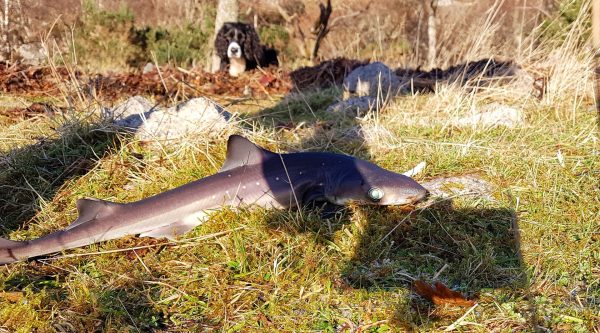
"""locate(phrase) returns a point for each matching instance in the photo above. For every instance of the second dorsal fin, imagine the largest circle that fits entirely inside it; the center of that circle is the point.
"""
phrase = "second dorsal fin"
(240, 151)
(90, 209)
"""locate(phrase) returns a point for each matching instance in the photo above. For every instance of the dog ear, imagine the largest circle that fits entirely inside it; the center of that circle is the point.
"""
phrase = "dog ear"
(221, 42)
(252, 48)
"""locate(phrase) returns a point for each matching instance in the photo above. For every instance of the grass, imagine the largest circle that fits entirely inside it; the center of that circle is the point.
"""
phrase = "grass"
(530, 256)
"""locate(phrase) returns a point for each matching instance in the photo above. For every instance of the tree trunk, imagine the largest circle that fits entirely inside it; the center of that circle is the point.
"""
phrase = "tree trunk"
(431, 8)
(4, 37)
(227, 11)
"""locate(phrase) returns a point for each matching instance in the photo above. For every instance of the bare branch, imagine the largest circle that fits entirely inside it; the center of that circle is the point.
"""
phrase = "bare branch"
(320, 28)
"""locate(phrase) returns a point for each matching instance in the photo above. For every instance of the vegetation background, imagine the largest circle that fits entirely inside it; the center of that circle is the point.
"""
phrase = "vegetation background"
(528, 252)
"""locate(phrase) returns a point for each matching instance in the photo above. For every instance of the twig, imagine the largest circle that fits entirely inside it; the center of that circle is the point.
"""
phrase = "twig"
(362, 328)
(162, 80)
(416, 170)
(459, 320)
(440, 272)
(128, 315)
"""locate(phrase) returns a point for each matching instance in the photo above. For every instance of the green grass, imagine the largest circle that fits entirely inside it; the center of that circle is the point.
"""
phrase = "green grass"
(529, 255)
(279, 270)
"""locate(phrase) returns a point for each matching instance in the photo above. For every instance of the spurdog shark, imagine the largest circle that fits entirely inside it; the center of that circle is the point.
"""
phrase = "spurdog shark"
(250, 175)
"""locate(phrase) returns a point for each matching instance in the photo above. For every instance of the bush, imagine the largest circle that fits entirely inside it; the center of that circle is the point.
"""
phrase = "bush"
(181, 46)
(109, 40)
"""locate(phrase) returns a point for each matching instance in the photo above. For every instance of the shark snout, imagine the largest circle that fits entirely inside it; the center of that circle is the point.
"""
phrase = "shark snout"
(422, 196)
(415, 194)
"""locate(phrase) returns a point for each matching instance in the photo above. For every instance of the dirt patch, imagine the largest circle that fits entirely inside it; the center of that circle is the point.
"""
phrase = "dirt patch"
(325, 74)
(32, 80)
(166, 82)
(479, 73)
(34, 110)
(176, 82)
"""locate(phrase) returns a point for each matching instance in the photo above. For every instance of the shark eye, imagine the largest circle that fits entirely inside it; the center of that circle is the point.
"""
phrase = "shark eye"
(375, 193)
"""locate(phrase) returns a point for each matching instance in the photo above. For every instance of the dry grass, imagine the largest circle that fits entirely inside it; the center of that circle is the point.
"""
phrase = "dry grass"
(529, 255)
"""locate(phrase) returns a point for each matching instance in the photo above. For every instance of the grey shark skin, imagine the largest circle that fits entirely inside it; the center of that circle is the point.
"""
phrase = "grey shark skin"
(250, 176)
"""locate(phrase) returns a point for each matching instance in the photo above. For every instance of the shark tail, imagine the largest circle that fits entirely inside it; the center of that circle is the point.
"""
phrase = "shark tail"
(6, 247)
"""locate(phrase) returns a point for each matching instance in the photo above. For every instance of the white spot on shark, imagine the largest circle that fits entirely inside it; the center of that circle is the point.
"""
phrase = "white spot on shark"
(244, 187)
(257, 183)
(276, 178)
(300, 172)
(229, 175)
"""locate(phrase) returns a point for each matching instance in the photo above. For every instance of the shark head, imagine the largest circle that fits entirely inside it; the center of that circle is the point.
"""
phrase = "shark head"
(369, 184)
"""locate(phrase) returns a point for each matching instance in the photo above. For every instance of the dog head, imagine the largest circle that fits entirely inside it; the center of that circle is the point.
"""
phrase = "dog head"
(239, 37)
(238, 45)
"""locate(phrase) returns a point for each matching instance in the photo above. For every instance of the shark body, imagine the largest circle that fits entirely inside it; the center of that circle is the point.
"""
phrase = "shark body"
(250, 176)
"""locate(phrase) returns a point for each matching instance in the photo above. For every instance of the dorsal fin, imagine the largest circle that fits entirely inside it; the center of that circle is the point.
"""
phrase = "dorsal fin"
(240, 151)
(90, 209)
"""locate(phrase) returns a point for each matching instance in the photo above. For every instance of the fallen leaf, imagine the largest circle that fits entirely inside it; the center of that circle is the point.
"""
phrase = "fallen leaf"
(265, 80)
(264, 320)
(439, 294)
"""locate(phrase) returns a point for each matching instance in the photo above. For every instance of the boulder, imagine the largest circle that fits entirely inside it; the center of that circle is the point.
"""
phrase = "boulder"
(374, 79)
(197, 116)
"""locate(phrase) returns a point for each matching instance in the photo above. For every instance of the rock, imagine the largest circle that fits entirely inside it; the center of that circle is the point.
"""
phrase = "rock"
(149, 67)
(131, 113)
(375, 79)
(468, 185)
(368, 87)
(199, 116)
(31, 54)
(493, 115)
(357, 106)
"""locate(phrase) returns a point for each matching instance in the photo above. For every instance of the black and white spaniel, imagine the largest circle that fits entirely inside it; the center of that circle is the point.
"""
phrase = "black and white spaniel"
(238, 46)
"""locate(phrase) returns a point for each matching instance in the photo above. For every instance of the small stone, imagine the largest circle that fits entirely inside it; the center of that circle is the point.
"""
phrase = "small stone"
(357, 106)
(149, 67)
(492, 116)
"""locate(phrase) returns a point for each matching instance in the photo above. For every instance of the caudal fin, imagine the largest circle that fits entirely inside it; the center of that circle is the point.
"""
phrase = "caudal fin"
(6, 253)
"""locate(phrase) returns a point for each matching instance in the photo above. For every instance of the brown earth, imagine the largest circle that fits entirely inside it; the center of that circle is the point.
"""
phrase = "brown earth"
(167, 82)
